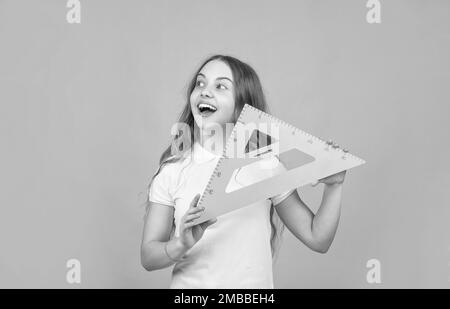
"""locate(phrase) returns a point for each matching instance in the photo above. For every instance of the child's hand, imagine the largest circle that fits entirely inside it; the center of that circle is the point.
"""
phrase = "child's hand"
(337, 178)
(190, 234)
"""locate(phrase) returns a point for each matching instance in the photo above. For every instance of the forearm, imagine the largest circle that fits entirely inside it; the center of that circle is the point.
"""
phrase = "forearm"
(154, 256)
(326, 220)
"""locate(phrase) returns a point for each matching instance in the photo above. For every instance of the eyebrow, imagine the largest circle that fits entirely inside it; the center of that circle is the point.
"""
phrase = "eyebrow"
(218, 78)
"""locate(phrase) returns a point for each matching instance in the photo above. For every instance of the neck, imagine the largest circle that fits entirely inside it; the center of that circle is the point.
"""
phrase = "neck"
(214, 141)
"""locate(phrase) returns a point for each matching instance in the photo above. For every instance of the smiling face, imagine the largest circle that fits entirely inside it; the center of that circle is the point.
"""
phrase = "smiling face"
(212, 100)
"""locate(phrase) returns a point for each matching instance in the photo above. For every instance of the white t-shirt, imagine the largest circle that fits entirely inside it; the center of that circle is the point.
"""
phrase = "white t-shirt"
(234, 252)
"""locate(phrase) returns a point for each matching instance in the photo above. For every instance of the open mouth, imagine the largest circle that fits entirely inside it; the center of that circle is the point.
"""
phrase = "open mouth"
(206, 109)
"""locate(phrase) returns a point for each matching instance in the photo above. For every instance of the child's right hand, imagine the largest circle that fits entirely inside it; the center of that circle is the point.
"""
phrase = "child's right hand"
(190, 234)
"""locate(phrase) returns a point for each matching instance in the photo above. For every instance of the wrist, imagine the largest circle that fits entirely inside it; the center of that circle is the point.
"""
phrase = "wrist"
(177, 248)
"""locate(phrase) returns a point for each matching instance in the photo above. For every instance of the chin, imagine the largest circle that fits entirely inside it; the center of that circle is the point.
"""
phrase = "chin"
(210, 125)
(202, 121)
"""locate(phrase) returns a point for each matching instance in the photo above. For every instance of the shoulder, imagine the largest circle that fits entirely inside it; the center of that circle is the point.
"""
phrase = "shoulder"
(169, 172)
(165, 181)
(170, 169)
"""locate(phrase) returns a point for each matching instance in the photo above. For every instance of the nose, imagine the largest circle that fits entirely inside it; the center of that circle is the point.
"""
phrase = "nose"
(205, 93)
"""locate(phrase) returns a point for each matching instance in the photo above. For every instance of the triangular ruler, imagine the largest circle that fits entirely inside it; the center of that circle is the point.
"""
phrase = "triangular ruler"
(304, 157)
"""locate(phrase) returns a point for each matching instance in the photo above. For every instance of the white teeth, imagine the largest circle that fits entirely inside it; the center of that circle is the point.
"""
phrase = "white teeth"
(204, 105)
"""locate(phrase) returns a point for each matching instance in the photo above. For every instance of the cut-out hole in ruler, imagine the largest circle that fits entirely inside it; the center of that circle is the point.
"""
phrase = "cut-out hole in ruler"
(267, 168)
(259, 140)
(295, 158)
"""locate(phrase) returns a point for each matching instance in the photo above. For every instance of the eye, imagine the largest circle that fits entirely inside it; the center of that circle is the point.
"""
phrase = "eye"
(222, 87)
(199, 83)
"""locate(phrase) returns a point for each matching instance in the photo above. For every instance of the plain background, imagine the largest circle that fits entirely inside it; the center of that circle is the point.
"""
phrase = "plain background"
(86, 110)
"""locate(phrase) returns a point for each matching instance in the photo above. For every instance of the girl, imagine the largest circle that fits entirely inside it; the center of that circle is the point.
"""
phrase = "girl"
(235, 250)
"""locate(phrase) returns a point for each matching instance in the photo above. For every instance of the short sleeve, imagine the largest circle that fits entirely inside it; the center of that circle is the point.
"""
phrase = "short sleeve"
(277, 199)
(280, 168)
(161, 187)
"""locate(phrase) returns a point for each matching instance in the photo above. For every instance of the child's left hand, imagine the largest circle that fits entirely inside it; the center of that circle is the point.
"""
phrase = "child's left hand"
(337, 178)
